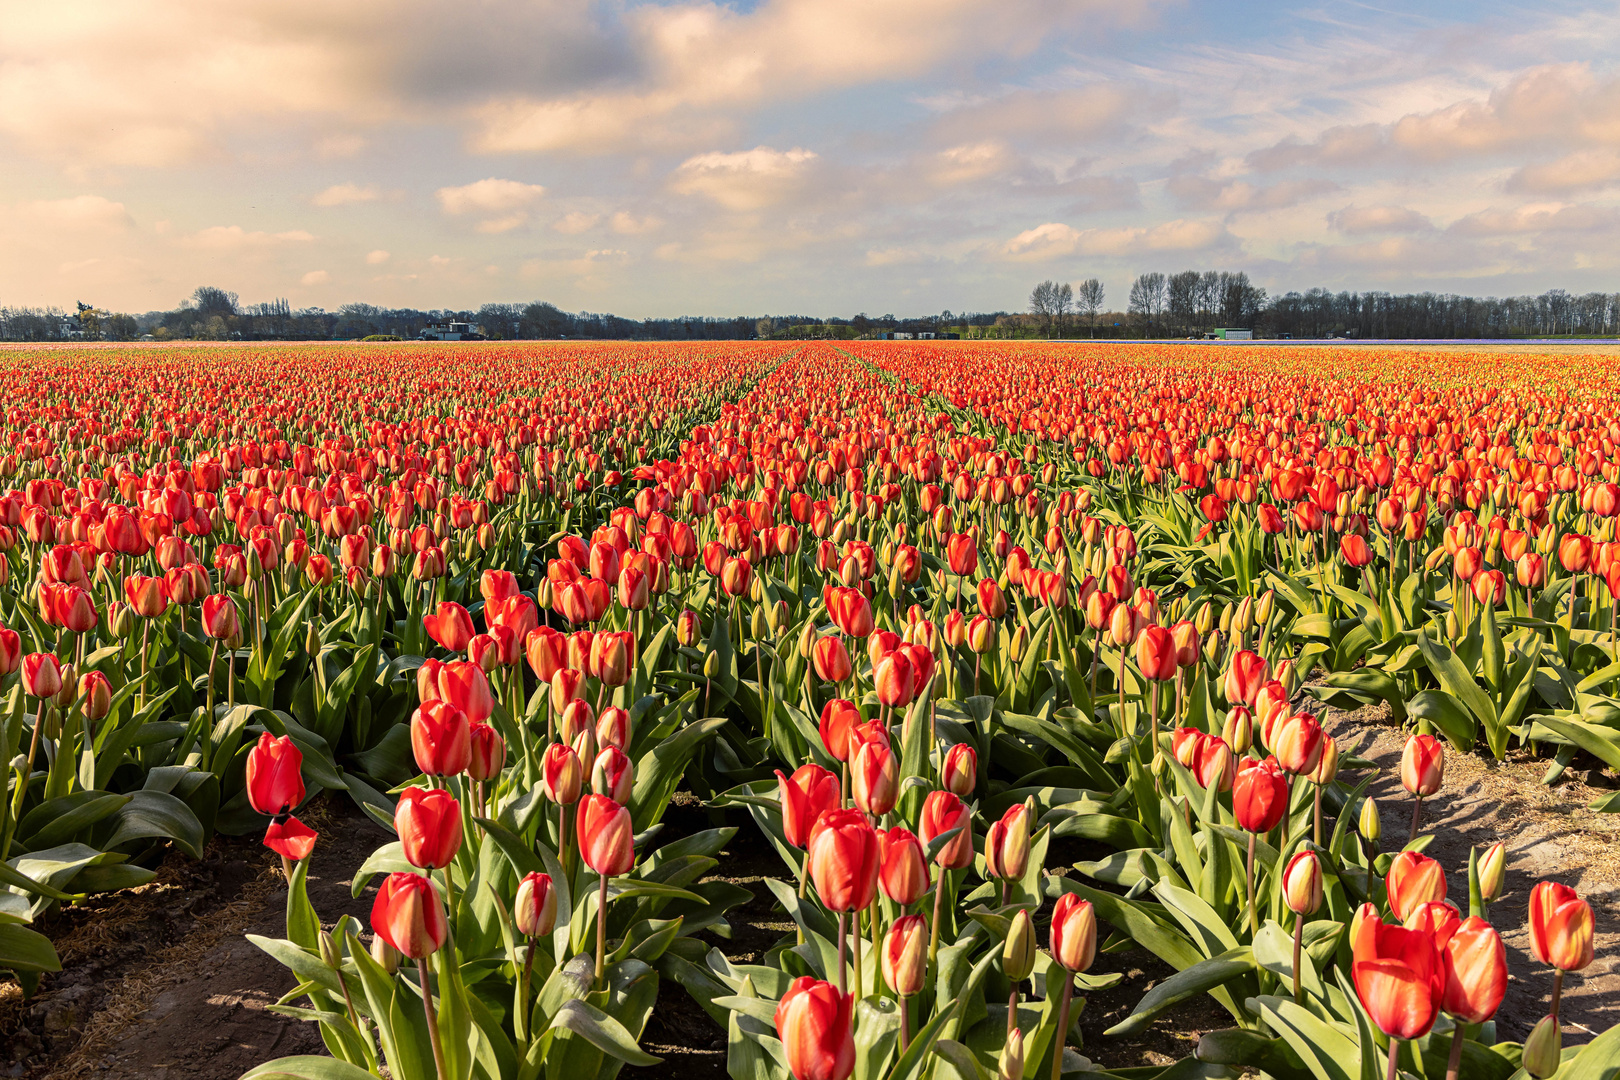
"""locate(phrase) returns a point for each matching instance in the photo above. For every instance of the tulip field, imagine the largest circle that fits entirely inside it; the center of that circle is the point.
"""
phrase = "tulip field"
(1011, 657)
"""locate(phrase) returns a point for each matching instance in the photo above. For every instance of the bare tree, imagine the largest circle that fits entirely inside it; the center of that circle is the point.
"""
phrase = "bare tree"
(1148, 298)
(1043, 303)
(1090, 301)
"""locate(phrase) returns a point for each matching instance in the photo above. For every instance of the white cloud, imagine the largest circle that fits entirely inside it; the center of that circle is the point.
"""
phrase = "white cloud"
(377, 258)
(576, 222)
(315, 277)
(1055, 240)
(1539, 218)
(81, 213)
(627, 224)
(347, 194)
(745, 180)
(234, 238)
(489, 196)
(1582, 170)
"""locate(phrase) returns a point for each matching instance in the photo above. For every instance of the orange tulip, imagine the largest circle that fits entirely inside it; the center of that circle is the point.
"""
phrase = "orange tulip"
(1475, 967)
(815, 1023)
(843, 860)
(1413, 879)
(1561, 926)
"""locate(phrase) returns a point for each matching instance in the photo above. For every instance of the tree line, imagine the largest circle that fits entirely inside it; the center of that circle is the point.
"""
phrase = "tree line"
(1190, 303)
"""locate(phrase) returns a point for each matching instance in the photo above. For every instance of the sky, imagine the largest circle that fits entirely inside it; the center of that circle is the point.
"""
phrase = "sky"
(798, 156)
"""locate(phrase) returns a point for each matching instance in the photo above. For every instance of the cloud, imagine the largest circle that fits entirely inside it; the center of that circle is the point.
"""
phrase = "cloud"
(572, 224)
(1354, 220)
(1582, 170)
(82, 213)
(347, 194)
(1539, 218)
(508, 200)
(746, 180)
(377, 258)
(699, 62)
(1547, 105)
(315, 277)
(235, 238)
(627, 224)
(1048, 116)
(1056, 240)
(1204, 193)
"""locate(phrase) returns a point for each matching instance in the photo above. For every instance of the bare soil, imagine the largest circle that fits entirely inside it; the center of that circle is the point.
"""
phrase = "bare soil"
(1549, 835)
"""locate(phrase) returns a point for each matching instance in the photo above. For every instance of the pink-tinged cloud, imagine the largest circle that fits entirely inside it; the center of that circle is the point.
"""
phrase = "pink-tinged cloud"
(1583, 170)
(1358, 220)
(1543, 218)
(1056, 240)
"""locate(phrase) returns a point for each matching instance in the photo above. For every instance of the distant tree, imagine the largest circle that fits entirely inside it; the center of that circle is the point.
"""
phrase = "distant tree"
(1148, 299)
(1090, 301)
(1044, 301)
(209, 300)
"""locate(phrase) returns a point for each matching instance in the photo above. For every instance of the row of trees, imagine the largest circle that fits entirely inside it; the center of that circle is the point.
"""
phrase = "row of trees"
(1161, 305)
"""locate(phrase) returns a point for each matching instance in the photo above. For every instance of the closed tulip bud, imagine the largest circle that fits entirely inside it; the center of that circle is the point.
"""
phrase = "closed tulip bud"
(981, 634)
(1243, 617)
(613, 775)
(95, 695)
(1006, 845)
(1302, 883)
(562, 774)
(534, 911)
(711, 664)
(903, 869)
(428, 821)
(121, 620)
(1544, 1049)
(1327, 768)
(1018, 951)
(488, 752)
(613, 728)
(1492, 872)
(409, 915)
(385, 955)
(942, 812)
(1020, 642)
(960, 772)
(41, 675)
(875, 779)
(275, 782)
(905, 955)
(1074, 932)
(1288, 676)
(1423, 765)
(1238, 730)
(1011, 1064)
(1370, 825)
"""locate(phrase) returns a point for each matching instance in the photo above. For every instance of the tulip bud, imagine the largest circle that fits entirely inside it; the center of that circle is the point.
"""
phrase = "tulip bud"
(386, 956)
(1243, 619)
(120, 619)
(1020, 642)
(1492, 872)
(1204, 621)
(905, 955)
(1288, 676)
(329, 952)
(535, 909)
(1012, 1057)
(1327, 768)
(1371, 825)
(1262, 611)
(711, 665)
(1018, 951)
(1302, 884)
(1544, 1049)
(1226, 619)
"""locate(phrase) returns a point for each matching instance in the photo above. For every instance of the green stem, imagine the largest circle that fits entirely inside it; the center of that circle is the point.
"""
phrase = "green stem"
(432, 1019)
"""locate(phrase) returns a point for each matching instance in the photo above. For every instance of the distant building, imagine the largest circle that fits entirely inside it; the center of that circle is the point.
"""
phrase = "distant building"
(450, 330)
(1232, 334)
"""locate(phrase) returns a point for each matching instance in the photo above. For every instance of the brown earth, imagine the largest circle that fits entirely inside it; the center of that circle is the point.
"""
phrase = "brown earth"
(1549, 834)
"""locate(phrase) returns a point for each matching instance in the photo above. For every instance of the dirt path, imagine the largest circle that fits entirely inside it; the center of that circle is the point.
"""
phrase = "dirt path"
(1549, 833)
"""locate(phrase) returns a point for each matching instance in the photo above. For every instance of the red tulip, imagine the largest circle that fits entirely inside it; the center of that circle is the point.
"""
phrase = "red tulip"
(893, 679)
(838, 719)
(41, 675)
(1423, 765)
(605, 837)
(408, 915)
(428, 821)
(464, 685)
(441, 739)
(562, 773)
(1259, 797)
(831, 660)
(959, 772)
(1355, 550)
(1561, 926)
(275, 781)
(961, 554)
(450, 626)
(815, 1023)
(1156, 654)
(875, 779)
(219, 618)
(1399, 977)
(903, 870)
(534, 910)
(290, 838)
(1074, 932)
(943, 811)
(1244, 678)
(1006, 845)
(488, 752)
(1413, 879)
(851, 611)
(613, 775)
(1475, 968)
(905, 955)
(1297, 743)
(843, 860)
